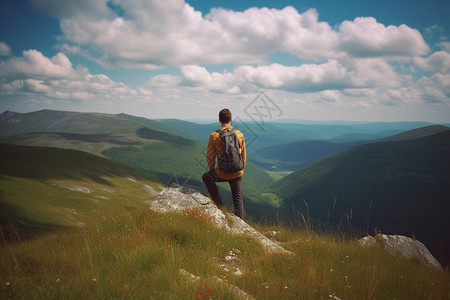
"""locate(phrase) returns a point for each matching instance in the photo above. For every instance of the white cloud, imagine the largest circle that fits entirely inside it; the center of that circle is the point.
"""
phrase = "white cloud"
(359, 73)
(197, 76)
(432, 89)
(437, 62)
(36, 76)
(365, 37)
(5, 50)
(150, 34)
(330, 96)
(164, 80)
(364, 92)
(36, 86)
(360, 60)
(262, 31)
(10, 87)
(34, 64)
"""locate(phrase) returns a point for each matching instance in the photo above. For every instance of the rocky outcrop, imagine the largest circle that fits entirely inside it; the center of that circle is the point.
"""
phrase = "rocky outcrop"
(179, 198)
(238, 293)
(404, 246)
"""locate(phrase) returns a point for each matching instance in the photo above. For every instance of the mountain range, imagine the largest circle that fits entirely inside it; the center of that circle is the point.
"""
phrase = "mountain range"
(390, 177)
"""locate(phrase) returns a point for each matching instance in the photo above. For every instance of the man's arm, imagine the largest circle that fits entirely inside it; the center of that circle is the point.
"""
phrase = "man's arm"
(244, 151)
(211, 153)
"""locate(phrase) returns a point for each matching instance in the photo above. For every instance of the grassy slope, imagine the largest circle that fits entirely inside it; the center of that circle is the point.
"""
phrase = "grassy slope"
(124, 250)
(45, 188)
(407, 182)
(138, 254)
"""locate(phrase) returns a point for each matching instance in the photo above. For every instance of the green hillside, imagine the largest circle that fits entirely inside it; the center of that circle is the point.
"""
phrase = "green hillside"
(91, 143)
(46, 188)
(397, 187)
(417, 133)
(62, 121)
(140, 254)
(158, 148)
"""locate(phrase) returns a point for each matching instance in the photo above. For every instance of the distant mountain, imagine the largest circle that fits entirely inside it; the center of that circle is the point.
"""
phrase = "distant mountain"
(61, 121)
(416, 133)
(302, 153)
(397, 187)
(43, 188)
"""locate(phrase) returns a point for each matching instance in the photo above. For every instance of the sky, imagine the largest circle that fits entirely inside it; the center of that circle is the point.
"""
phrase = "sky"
(351, 60)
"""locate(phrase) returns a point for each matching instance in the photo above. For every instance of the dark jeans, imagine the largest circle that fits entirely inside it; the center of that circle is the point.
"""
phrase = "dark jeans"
(210, 178)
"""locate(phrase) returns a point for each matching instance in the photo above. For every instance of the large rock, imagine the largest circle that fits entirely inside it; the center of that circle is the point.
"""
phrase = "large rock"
(404, 246)
(178, 198)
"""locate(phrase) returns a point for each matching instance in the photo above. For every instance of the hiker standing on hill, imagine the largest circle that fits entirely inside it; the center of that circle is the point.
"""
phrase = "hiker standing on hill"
(228, 145)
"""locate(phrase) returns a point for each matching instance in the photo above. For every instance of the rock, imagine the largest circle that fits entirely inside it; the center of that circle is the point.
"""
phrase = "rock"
(238, 293)
(178, 198)
(239, 226)
(404, 246)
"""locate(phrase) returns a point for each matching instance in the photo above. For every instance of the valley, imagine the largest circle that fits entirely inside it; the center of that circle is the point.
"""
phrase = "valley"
(389, 177)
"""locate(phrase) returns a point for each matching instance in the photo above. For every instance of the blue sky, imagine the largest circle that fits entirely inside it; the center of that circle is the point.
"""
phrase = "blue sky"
(315, 60)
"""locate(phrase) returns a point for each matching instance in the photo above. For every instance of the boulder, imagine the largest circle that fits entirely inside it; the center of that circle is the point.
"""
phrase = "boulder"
(404, 246)
(179, 198)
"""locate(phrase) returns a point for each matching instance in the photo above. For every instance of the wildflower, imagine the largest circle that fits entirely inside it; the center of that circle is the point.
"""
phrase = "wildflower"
(94, 279)
(7, 283)
(209, 289)
(208, 294)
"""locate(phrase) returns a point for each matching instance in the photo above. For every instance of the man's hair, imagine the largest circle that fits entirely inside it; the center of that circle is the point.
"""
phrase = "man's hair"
(225, 116)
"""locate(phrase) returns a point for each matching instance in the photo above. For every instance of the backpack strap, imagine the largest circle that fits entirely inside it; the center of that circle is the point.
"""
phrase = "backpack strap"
(232, 130)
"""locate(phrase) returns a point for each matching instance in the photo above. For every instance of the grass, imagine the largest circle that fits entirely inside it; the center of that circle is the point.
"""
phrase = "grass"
(137, 253)
(46, 188)
(125, 250)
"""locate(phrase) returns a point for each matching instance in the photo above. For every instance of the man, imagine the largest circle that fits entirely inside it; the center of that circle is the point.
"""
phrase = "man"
(215, 174)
